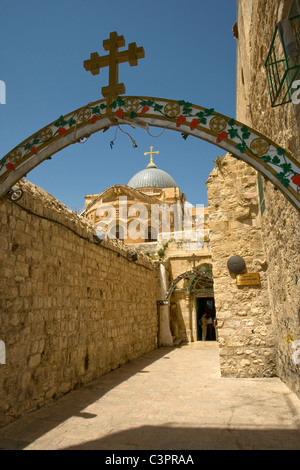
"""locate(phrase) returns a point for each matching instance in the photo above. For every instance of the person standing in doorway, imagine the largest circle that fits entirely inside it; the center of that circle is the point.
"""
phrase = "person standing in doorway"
(204, 326)
(210, 328)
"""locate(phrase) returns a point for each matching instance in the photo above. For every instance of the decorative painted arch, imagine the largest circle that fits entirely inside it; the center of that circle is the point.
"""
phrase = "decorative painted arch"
(271, 160)
(196, 272)
(203, 275)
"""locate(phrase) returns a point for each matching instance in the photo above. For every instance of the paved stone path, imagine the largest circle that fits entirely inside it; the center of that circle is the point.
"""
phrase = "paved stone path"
(170, 399)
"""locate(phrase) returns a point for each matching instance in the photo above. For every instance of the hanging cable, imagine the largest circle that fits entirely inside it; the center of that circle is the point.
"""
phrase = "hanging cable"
(158, 134)
(112, 141)
(124, 132)
(133, 141)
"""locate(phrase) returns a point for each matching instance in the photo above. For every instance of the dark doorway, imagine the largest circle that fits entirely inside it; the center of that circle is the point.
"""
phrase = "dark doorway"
(206, 305)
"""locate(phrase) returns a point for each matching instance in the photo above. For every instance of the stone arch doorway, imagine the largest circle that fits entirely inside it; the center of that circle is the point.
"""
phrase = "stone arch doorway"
(201, 290)
(184, 297)
(244, 143)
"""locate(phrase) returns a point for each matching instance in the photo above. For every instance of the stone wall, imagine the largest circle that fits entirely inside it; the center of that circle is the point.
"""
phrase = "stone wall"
(280, 221)
(245, 330)
(70, 310)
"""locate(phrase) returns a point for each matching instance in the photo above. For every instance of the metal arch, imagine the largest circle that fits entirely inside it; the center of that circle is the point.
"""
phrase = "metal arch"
(172, 285)
(204, 273)
(244, 143)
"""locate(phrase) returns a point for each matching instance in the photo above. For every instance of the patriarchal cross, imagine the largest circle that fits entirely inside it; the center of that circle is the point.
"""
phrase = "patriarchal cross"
(112, 60)
(151, 153)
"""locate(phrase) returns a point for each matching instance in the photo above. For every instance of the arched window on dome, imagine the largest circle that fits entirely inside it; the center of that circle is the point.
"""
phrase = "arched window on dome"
(119, 232)
(116, 231)
(151, 234)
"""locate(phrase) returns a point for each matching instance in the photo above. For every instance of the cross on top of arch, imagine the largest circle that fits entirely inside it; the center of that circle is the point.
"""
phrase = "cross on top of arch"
(112, 60)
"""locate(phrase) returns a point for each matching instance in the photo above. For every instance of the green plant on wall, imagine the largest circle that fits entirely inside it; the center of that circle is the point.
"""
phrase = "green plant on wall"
(162, 251)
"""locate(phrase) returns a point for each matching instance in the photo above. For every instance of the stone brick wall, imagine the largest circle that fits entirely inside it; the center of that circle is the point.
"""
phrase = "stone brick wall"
(245, 331)
(280, 222)
(70, 310)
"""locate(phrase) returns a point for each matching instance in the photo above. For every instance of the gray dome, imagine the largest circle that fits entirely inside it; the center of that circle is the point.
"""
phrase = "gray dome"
(152, 177)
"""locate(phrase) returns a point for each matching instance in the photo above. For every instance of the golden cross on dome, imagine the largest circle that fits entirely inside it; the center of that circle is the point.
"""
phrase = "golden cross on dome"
(112, 60)
(151, 153)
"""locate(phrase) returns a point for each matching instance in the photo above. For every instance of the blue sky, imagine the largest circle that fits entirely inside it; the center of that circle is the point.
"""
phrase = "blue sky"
(190, 54)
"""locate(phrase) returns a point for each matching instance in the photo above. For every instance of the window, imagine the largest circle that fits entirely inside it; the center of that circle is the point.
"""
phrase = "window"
(119, 232)
(283, 61)
(116, 231)
(150, 234)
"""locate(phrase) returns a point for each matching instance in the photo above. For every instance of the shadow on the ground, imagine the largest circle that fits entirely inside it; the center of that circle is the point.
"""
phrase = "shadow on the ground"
(30, 427)
(174, 438)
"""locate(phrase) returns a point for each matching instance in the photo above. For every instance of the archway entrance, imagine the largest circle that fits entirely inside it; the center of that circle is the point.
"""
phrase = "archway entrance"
(244, 143)
(201, 290)
(189, 296)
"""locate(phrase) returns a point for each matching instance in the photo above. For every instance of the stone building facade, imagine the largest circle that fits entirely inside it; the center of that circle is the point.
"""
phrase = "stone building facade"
(179, 251)
(255, 221)
(246, 332)
(279, 220)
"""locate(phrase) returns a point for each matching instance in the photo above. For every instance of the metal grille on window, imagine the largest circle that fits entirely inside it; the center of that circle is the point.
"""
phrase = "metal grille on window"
(283, 61)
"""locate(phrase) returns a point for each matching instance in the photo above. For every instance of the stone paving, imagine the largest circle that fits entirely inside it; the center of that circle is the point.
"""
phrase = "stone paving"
(170, 399)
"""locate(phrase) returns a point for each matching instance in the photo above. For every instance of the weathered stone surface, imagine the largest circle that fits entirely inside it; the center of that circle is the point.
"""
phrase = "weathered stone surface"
(70, 310)
(280, 221)
(243, 313)
(268, 241)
